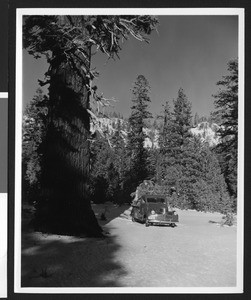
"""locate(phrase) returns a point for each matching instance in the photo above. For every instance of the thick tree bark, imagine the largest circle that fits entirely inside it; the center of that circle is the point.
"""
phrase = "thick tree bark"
(64, 206)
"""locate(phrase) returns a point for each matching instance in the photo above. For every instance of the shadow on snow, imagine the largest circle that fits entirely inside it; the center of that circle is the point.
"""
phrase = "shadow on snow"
(67, 261)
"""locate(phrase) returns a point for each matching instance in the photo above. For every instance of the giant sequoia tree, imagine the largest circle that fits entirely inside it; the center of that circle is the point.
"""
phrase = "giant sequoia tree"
(68, 42)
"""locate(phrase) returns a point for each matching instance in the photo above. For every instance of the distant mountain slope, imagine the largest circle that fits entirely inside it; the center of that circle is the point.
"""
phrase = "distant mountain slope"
(206, 131)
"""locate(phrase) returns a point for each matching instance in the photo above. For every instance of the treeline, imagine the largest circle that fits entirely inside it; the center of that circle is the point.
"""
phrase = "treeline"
(205, 177)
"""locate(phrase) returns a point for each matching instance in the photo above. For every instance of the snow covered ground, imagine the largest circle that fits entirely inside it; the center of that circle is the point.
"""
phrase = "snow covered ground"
(197, 253)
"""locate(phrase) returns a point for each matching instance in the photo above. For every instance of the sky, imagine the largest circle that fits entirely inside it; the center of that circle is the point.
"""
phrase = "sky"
(189, 52)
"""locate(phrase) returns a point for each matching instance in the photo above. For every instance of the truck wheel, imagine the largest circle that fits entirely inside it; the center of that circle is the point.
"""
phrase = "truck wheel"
(147, 224)
(173, 225)
(133, 219)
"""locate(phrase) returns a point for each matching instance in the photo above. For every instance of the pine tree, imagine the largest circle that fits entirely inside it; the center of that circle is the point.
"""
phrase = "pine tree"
(119, 152)
(136, 136)
(109, 168)
(175, 158)
(226, 104)
(166, 127)
(34, 129)
(210, 188)
(121, 161)
(190, 170)
(178, 128)
(100, 154)
(182, 117)
(201, 181)
(67, 42)
(174, 134)
(164, 139)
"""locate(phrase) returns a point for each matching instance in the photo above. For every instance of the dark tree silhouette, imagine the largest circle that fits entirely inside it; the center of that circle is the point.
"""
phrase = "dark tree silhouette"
(34, 129)
(68, 42)
(226, 104)
(136, 136)
(164, 141)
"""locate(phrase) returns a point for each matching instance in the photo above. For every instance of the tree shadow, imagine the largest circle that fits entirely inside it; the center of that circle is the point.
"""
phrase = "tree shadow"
(64, 261)
(112, 212)
(50, 260)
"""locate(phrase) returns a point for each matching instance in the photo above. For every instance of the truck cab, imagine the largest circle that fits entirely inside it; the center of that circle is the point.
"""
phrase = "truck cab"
(154, 210)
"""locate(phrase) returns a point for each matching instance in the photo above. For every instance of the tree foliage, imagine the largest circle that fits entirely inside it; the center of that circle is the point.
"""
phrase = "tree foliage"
(226, 105)
(109, 168)
(76, 38)
(195, 171)
(165, 129)
(34, 129)
(182, 114)
(136, 136)
(187, 163)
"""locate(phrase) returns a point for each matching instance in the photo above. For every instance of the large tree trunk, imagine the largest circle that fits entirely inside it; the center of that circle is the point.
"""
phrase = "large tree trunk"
(64, 206)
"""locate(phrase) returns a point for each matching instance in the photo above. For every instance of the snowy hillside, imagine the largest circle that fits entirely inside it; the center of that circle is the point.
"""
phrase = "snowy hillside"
(151, 141)
(206, 131)
(110, 125)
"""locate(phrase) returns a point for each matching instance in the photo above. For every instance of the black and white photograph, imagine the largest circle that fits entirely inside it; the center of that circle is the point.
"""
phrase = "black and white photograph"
(129, 150)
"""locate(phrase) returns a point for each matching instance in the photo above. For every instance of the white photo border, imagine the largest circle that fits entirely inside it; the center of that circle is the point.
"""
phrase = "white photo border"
(18, 147)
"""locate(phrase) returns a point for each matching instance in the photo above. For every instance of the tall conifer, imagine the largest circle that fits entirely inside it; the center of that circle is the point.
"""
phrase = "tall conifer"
(136, 136)
(226, 104)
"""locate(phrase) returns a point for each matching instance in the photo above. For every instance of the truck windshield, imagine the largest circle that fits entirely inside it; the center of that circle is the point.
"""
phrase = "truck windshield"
(155, 200)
